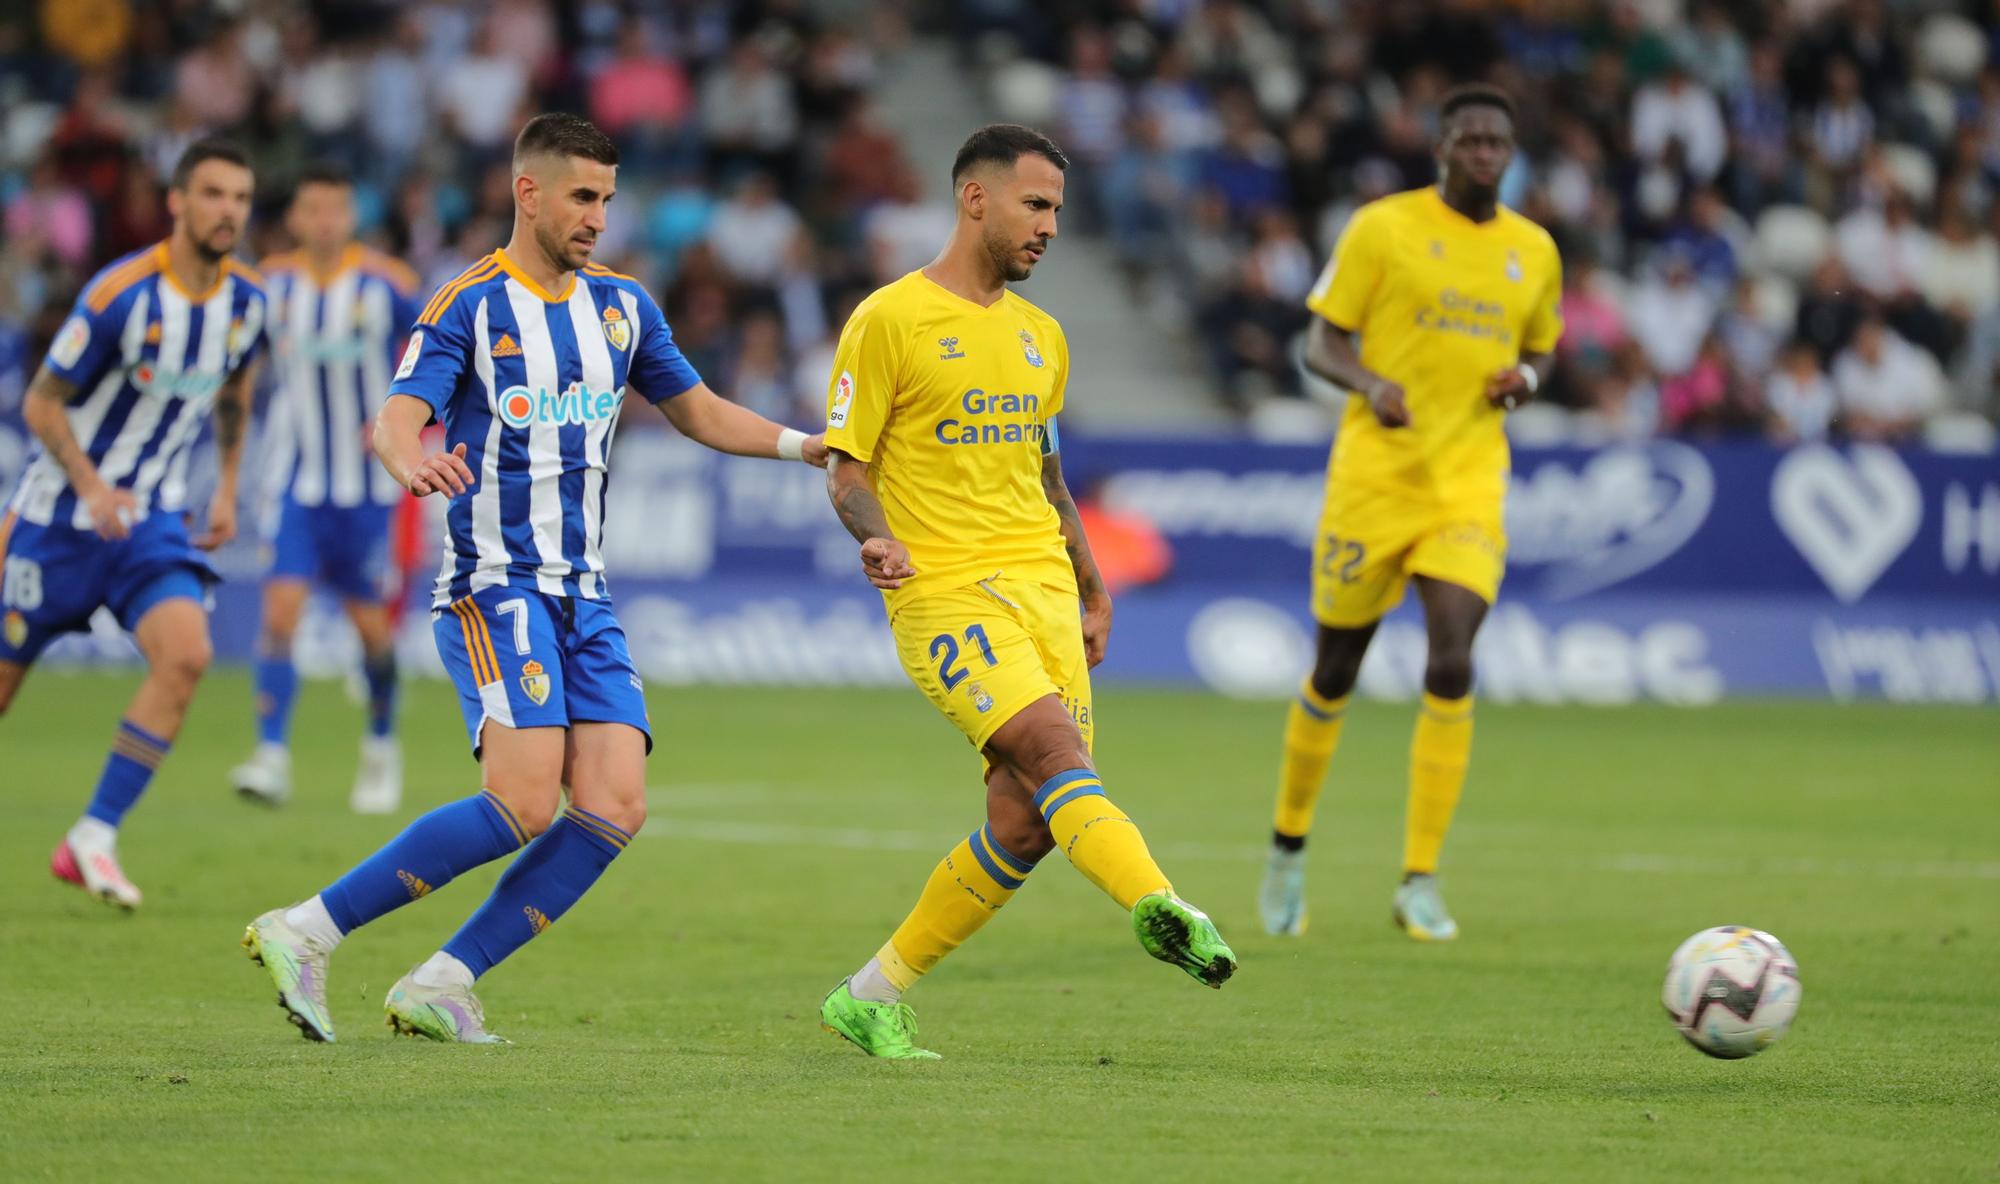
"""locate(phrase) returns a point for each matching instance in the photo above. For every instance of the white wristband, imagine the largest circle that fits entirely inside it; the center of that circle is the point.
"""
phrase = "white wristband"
(791, 444)
(1529, 376)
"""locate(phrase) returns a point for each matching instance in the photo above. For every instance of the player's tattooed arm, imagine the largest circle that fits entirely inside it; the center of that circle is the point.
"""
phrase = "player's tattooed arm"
(46, 412)
(1331, 355)
(1089, 581)
(884, 559)
(232, 421)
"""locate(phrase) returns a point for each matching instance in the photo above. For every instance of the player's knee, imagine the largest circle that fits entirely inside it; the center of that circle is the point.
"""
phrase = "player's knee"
(627, 812)
(1448, 672)
(1334, 677)
(1024, 837)
(274, 641)
(183, 662)
(1049, 752)
(535, 813)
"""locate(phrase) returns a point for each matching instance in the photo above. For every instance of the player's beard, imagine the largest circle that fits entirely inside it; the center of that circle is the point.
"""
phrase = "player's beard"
(205, 245)
(1004, 252)
(565, 252)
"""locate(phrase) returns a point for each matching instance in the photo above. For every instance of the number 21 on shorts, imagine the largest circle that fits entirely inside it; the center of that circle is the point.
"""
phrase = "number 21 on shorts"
(944, 648)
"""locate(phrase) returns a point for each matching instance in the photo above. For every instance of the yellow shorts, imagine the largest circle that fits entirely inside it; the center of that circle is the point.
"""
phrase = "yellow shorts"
(983, 652)
(1370, 543)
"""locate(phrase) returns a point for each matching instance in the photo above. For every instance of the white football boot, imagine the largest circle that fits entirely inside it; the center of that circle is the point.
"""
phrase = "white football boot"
(378, 785)
(266, 777)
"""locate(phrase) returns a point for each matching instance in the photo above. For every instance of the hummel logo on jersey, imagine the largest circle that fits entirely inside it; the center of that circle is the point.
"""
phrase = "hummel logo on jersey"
(505, 347)
(577, 404)
(951, 349)
(416, 887)
(537, 919)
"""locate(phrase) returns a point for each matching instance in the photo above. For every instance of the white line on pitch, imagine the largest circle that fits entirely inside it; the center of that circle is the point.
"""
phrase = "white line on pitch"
(776, 834)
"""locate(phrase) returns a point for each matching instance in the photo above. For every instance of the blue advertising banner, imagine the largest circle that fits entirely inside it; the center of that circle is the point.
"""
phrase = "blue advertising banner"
(1665, 571)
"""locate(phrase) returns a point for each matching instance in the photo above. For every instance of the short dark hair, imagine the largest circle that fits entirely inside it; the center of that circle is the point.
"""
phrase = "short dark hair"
(323, 172)
(558, 133)
(1004, 143)
(203, 150)
(1475, 94)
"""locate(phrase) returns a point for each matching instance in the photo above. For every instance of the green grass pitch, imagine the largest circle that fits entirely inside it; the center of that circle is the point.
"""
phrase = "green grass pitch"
(666, 1028)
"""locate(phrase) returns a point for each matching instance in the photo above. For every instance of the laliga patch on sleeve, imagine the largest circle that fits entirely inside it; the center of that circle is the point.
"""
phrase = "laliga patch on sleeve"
(74, 337)
(843, 398)
(410, 353)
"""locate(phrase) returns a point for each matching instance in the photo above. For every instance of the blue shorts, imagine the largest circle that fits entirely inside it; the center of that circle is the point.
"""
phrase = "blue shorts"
(55, 576)
(524, 659)
(345, 548)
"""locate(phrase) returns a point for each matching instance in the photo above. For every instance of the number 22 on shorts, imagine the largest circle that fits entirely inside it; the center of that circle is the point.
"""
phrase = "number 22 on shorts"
(946, 645)
(1341, 561)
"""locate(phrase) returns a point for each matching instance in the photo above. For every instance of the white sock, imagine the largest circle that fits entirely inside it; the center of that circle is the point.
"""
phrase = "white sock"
(871, 985)
(93, 834)
(443, 970)
(314, 923)
(272, 752)
(1283, 859)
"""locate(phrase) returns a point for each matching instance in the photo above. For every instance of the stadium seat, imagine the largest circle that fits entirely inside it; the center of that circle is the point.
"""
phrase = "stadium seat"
(1950, 47)
(1912, 168)
(1961, 432)
(1792, 240)
(1025, 91)
(1775, 303)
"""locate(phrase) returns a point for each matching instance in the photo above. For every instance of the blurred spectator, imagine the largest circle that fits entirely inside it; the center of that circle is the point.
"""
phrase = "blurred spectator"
(642, 96)
(214, 84)
(1679, 110)
(1829, 310)
(747, 111)
(50, 215)
(754, 232)
(1748, 340)
(1760, 128)
(1842, 125)
(1884, 248)
(1799, 401)
(482, 93)
(1694, 399)
(1146, 192)
(1886, 386)
(1625, 401)
(1090, 119)
(1245, 168)
(1713, 48)
(904, 231)
(1709, 237)
(1593, 324)
(1961, 276)
(1671, 316)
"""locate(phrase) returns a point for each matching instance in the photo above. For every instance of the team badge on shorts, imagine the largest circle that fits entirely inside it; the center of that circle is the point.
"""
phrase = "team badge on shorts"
(1034, 355)
(535, 682)
(16, 629)
(617, 330)
(980, 699)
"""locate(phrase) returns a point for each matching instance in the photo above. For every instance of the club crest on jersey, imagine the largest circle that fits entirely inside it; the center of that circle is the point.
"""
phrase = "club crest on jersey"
(843, 398)
(153, 333)
(16, 629)
(617, 330)
(1513, 265)
(1028, 349)
(535, 682)
(235, 343)
(950, 347)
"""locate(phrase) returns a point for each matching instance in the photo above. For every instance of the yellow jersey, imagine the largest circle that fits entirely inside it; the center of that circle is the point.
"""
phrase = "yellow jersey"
(952, 406)
(1441, 303)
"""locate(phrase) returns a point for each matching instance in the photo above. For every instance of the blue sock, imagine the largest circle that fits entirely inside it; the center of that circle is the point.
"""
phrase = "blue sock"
(135, 753)
(536, 889)
(381, 672)
(277, 684)
(451, 839)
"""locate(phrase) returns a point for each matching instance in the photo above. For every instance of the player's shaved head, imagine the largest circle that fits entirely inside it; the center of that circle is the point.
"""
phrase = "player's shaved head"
(558, 136)
(1002, 145)
(565, 174)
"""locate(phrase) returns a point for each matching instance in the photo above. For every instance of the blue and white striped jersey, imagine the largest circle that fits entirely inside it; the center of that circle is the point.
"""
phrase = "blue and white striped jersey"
(333, 346)
(147, 358)
(531, 383)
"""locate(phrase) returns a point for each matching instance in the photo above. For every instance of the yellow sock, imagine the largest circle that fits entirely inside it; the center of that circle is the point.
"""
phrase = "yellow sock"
(964, 891)
(1099, 839)
(1439, 753)
(1312, 731)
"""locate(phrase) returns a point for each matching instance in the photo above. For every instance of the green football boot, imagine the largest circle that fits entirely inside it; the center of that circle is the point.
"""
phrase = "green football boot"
(298, 967)
(1420, 910)
(450, 1014)
(878, 1029)
(1178, 933)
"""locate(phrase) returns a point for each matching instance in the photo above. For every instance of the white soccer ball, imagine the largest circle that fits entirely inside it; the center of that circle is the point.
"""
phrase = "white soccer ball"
(1732, 991)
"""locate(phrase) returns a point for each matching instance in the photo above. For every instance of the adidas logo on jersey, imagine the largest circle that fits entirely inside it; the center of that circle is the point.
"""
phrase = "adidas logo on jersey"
(505, 347)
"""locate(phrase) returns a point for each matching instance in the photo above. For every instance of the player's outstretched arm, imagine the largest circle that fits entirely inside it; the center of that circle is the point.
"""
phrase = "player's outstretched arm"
(1330, 354)
(884, 559)
(399, 445)
(232, 423)
(1089, 582)
(707, 418)
(46, 412)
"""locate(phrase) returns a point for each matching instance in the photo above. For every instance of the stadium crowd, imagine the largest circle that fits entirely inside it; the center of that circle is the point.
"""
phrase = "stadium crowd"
(759, 194)
(1776, 215)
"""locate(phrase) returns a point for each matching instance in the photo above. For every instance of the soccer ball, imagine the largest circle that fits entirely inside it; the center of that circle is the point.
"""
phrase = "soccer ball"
(1732, 991)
